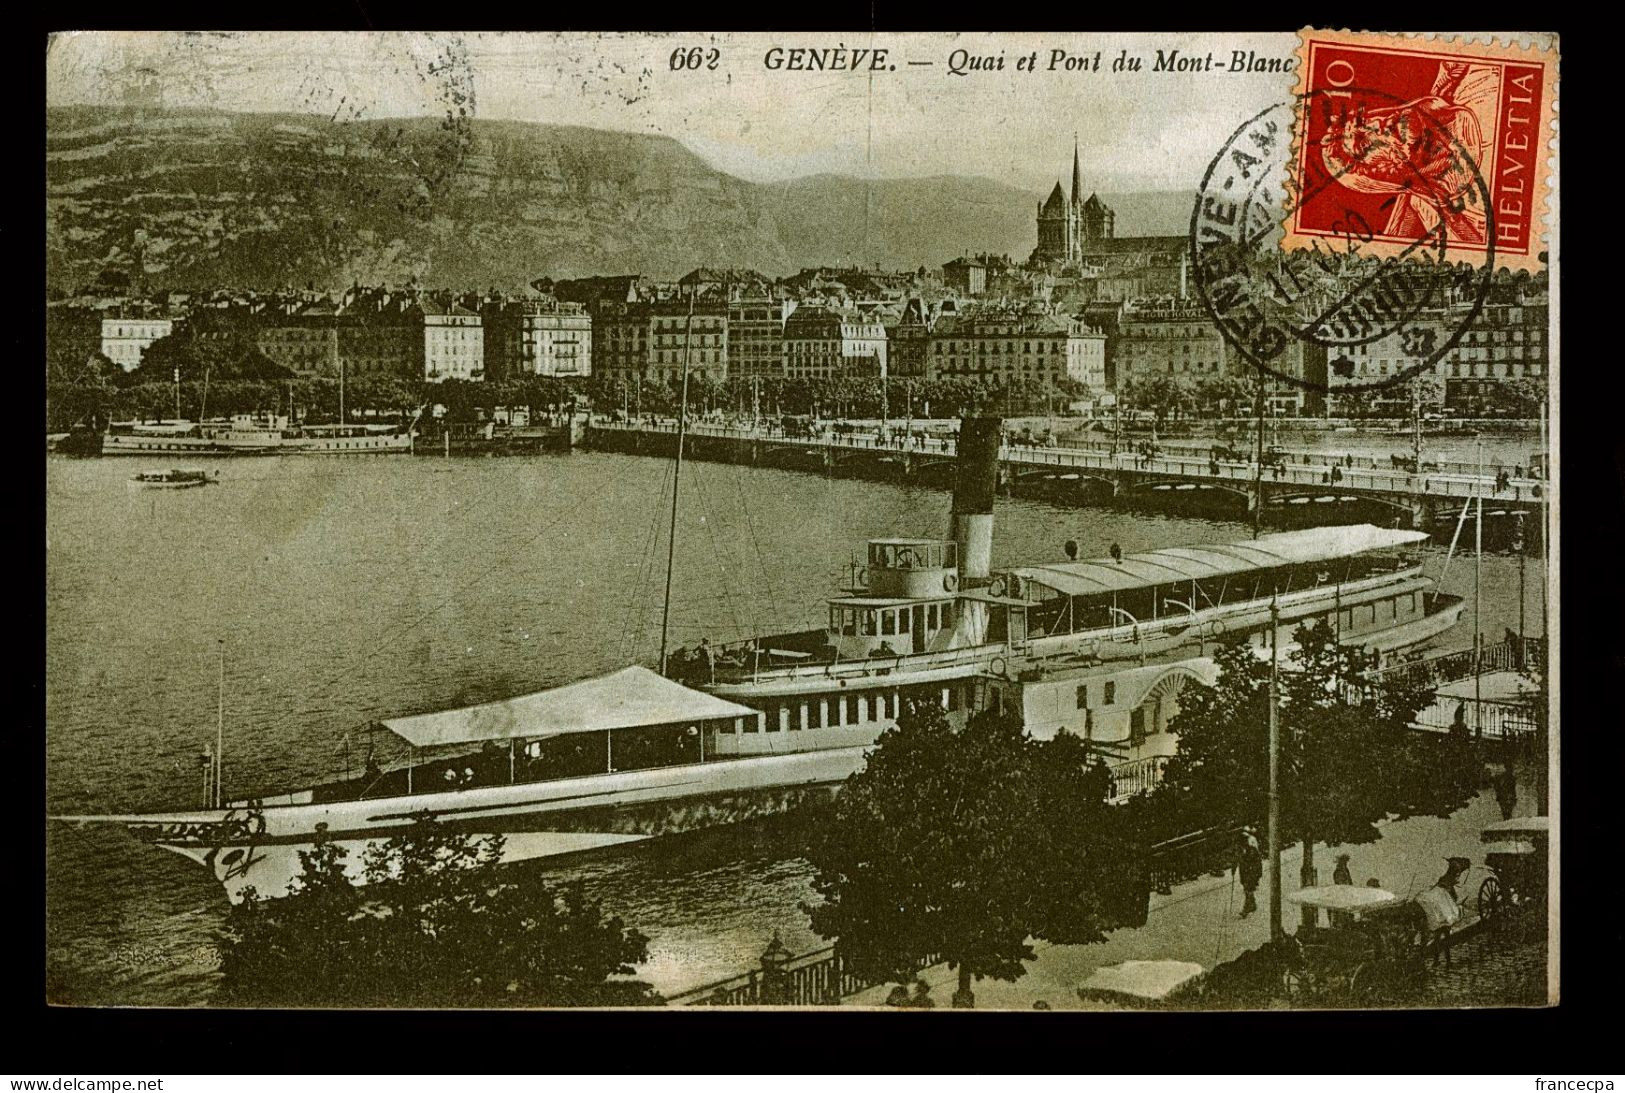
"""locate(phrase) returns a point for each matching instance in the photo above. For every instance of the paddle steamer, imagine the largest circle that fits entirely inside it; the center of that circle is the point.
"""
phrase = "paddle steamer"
(1100, 647)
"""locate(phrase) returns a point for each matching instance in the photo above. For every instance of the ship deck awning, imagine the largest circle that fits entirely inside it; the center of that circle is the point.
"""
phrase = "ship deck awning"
(1176, 564)
(627, 699)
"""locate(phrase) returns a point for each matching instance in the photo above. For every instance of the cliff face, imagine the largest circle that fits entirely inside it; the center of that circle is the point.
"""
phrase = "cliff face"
(261, 201)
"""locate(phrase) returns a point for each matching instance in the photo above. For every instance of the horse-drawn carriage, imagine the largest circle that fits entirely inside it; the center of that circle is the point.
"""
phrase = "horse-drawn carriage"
(1374, 952)
(1516, 854)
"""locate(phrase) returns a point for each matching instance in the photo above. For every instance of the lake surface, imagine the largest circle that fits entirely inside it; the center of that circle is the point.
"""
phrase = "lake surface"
(348, 590)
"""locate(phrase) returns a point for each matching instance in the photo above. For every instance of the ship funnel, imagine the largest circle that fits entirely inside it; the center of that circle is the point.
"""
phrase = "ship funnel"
(976, 477)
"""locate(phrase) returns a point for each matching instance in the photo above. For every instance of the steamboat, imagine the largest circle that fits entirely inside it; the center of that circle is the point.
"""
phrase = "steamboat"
(253, 434)
(1100, 647)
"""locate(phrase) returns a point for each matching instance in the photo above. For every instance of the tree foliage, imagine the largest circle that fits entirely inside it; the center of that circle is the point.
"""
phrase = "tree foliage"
(437, 925)
(964, 846)
(1348, 756)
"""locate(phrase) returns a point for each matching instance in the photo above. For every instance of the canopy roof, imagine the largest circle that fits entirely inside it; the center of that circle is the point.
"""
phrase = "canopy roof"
(1342, 897)
(1151, 979)
(627, 699)
(1174, 564)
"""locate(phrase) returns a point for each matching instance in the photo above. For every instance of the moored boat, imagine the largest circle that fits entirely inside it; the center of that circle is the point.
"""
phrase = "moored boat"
(176, 479)
(1101, 648)
(255, 434)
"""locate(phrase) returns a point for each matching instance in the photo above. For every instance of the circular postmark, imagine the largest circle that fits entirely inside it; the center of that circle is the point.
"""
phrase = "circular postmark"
(1280, 308)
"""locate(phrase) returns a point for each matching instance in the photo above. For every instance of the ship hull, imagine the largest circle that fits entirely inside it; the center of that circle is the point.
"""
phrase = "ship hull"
(380, 444)
(257, 844)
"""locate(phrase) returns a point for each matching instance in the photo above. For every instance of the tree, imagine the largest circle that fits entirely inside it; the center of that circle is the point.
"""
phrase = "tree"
(438, 925)
(1349, 757)
(1165, 396)
(963, 846)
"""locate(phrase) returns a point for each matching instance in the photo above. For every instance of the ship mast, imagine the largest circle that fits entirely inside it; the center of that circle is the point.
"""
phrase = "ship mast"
(1478, 596)
(676, 481)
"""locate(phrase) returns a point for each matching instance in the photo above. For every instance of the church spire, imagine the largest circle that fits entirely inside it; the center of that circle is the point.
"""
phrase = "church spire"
(1077, 175)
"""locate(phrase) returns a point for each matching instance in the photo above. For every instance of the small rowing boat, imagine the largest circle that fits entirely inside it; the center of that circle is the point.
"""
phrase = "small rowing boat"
(175, 479)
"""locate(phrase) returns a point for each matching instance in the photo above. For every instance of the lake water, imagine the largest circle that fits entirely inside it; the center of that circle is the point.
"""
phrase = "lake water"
(348, 590)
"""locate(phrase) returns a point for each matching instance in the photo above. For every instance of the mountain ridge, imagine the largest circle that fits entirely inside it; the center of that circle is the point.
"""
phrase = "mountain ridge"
(270, 200)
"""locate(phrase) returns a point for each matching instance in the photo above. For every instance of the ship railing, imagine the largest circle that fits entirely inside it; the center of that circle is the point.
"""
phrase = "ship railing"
(870, 666)
(1136, 776)
(1514, 654)
(1486, 718)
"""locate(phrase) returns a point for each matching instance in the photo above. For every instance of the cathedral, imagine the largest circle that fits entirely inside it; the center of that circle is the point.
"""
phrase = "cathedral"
(1065, 228)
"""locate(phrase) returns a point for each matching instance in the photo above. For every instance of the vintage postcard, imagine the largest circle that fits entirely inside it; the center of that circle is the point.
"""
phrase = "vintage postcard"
(998, 521)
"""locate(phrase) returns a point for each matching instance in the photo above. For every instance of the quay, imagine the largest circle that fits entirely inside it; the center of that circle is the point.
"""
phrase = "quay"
(1423, 501)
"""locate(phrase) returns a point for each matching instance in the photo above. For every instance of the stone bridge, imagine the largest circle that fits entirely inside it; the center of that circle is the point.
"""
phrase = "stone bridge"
(1425, 501)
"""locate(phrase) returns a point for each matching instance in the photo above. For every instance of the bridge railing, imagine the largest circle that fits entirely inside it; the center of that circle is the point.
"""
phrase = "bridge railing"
(817, 978)
(1448, 483)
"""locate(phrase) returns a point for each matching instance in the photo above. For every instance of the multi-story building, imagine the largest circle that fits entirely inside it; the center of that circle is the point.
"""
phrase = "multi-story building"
(537, 337)
(824, 342)
(1169, 337)
(1176, 337)
(1009, 345)
(1507, 343)
(965, 276)
(696, 335)
(756, 316)
(126, 337)
(908, 341)
(620, 344)
(1503, 348)
(453, 342)
(380, 334)
(303, 339)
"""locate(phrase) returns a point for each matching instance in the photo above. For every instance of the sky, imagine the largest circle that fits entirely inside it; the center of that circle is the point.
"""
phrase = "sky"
(1145, 130)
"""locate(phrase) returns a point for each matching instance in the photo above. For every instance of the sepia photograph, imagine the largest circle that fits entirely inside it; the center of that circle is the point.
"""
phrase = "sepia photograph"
(781, 521)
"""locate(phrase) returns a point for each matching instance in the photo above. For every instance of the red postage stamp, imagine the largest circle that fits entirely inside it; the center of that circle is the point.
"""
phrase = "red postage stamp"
(1411, 145)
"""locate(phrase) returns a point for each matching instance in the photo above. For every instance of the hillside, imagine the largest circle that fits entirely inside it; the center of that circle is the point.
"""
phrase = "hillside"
(259, 200)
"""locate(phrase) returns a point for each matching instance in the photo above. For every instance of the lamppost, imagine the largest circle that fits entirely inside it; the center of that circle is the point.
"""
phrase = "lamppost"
(775, 981)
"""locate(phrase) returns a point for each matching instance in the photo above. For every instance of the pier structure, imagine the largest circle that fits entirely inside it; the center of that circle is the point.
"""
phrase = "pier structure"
(1423, 501)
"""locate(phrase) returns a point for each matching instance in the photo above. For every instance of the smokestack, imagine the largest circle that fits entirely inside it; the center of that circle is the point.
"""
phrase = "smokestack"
(976, 477)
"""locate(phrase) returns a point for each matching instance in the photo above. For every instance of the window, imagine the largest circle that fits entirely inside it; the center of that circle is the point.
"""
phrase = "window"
(888, 622)
(869, 623)
(849, 710)
(1083, 696)
(747, 724)
(1110, 692)
(774, 719)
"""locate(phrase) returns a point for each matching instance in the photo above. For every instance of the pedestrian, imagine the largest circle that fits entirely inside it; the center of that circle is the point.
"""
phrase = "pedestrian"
(1341, 875)
(1250, 869)
(1458, 726)
(1506, 791)
(922, 996)
(1442, 907)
